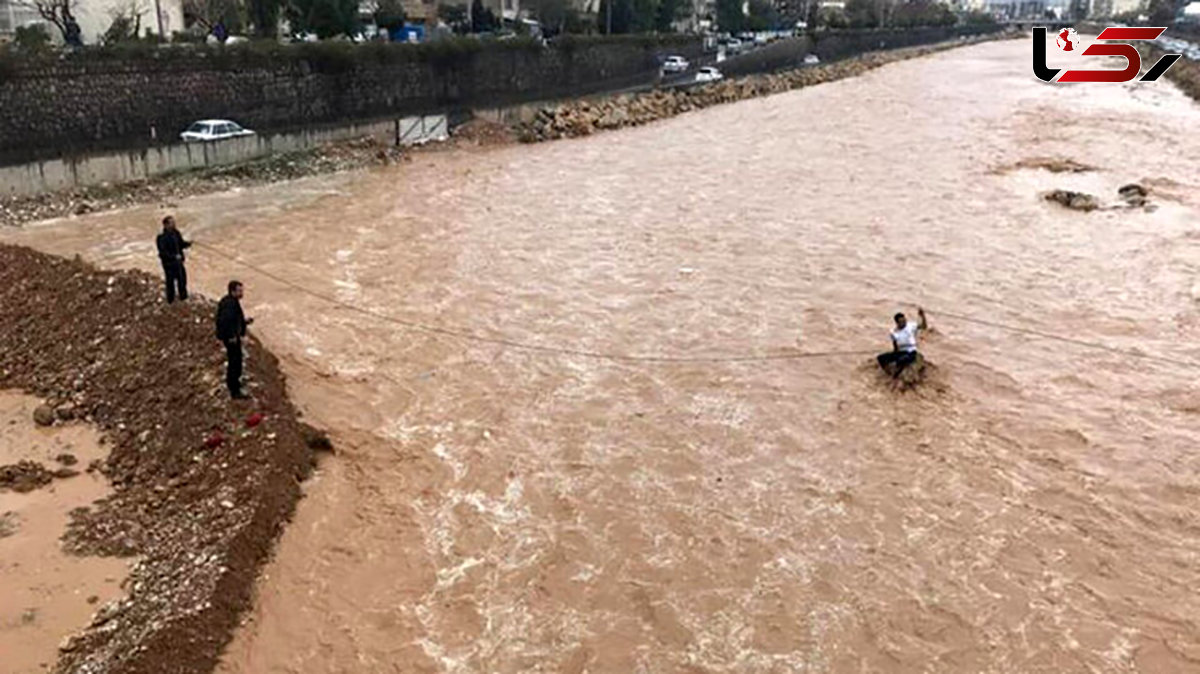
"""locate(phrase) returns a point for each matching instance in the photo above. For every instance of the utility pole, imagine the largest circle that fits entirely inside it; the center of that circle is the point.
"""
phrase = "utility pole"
(608, 4)
(158, 13)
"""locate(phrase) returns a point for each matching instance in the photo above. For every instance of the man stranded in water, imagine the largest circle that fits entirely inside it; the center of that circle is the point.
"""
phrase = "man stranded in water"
(904, 344)
(231, 328)
(170, 253)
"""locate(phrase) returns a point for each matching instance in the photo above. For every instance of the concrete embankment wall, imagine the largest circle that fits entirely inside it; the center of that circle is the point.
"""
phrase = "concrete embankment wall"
(51, 175)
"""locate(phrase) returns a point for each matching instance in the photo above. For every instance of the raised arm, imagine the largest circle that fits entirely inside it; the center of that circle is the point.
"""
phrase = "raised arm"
(924, 324)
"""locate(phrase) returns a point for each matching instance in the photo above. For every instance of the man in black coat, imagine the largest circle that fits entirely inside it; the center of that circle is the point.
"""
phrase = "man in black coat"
(231, 328)
(170, 251)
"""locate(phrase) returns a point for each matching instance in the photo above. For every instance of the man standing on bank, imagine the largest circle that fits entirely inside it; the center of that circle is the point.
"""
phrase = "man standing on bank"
(170, 251)
(231, 328)
(904, 344)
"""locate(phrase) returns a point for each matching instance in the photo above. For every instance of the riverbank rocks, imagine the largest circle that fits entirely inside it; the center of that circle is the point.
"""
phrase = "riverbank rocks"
(581, 118)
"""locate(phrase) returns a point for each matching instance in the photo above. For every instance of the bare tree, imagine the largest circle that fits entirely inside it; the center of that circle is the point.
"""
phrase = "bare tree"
(126, 21)
(208, 12)
(58, 12)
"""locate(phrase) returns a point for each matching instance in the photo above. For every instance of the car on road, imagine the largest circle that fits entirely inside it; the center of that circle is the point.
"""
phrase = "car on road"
(811, 60)
(675, 64)
(709, 74)
(733, 46)
(207, 130)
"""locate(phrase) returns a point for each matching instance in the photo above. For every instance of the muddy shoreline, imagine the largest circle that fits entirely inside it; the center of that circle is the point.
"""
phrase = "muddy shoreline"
(103, 347)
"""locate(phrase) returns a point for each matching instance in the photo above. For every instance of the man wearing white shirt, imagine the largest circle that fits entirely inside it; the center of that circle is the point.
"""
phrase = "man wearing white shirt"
(904, 344)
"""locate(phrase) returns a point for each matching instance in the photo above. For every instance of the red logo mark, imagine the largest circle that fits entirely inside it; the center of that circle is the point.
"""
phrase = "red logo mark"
(1068, 41)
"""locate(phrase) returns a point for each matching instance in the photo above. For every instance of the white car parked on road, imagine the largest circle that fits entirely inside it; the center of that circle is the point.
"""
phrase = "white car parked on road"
(213, 129)
(675, 64)
(709, 74)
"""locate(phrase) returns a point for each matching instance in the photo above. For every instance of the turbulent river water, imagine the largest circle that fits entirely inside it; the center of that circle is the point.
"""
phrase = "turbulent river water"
(1032, 508)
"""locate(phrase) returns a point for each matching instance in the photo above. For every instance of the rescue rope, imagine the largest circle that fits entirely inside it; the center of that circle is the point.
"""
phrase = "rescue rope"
(1069, 340)
(467, 335)
(526, 346)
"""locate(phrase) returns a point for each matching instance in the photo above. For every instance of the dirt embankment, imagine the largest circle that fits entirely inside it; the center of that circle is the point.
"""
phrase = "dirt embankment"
(200, 516)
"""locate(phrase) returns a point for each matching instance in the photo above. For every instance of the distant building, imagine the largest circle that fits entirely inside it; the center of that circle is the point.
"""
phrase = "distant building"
(1016, 9)
(508, 10)
(1104, 9)
(1116, 7)
(1189, 14)
(698, 20)
(13, 16)
(95, 17)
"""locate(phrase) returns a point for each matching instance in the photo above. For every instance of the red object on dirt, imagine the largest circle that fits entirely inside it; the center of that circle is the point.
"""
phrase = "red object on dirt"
(215, 440)
(254, 419)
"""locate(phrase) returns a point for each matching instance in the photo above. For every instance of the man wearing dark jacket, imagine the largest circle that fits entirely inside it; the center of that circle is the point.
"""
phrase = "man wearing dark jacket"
(170, 252)
(231, 328)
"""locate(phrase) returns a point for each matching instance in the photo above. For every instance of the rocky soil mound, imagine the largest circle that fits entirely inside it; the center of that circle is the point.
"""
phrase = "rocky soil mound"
(584, 117)
(202, 485)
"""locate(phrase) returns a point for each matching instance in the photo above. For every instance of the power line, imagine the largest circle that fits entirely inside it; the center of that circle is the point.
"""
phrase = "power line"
(1070, 340)
(464, 334)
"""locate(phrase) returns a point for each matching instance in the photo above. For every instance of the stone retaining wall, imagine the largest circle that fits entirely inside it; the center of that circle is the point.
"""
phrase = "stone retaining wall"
(80, 103)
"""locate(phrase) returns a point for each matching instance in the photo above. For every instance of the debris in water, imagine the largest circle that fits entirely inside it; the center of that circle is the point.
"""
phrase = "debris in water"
(1054, 165)
(1134, 194)
(24, 476)
(1077, 201)
(8, 524)
(316, 440)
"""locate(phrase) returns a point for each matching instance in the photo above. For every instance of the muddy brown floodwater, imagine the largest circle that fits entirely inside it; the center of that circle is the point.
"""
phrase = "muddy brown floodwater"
(492, 509)
(46, 594)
